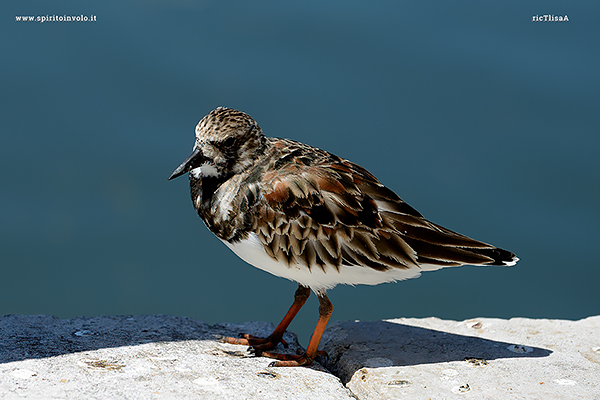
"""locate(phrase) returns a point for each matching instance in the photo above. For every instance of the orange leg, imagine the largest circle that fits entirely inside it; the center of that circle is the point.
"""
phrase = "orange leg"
(261, 345)
(286, 360)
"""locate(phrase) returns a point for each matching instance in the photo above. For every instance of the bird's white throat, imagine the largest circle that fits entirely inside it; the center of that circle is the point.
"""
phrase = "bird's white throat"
(204, 170)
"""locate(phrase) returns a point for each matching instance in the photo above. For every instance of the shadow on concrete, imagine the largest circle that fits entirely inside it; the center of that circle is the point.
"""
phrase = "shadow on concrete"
(25, 337)
(354, 345)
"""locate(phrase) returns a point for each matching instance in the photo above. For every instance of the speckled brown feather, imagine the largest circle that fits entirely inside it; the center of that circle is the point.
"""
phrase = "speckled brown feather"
(343, 197)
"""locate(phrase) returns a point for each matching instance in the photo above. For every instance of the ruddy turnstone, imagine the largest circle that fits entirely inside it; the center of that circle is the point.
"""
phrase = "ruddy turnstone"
(307, 215)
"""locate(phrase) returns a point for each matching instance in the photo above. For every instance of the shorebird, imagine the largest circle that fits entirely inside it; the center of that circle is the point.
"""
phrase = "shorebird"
(307, 215)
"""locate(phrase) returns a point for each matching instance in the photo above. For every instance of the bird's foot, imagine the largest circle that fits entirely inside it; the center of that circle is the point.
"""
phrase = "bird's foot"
(290, 360)
(258, 344)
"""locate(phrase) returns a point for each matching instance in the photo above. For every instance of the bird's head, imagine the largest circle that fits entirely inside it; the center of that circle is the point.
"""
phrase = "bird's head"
(227, 142)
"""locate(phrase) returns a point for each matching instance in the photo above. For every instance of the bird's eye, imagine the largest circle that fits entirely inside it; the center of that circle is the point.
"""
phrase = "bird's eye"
(228, 142)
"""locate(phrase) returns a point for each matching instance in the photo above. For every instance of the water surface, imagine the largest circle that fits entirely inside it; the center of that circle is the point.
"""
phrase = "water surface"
(484, 121)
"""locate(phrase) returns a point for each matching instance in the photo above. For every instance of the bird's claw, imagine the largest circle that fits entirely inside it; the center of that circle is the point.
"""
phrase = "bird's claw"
(257, 344)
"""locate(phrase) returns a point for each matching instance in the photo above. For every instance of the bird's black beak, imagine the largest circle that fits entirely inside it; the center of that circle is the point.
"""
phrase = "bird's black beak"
(193, 161)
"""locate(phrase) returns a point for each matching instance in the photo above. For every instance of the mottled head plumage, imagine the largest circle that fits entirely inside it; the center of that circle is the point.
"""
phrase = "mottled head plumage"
(223, 122)
(229, 140)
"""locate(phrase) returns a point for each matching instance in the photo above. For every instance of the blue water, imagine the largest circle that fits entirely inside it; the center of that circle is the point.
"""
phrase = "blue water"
(484, 121)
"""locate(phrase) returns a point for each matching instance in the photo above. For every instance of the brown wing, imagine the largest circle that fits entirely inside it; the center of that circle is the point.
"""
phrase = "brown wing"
(325, 211)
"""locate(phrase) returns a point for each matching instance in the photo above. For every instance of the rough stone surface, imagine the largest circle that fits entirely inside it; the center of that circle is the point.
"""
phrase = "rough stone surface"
(481, 358)
(146, 357)
(161, 357)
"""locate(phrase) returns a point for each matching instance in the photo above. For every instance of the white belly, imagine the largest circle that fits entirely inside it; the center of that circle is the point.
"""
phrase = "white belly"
(252, 251)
